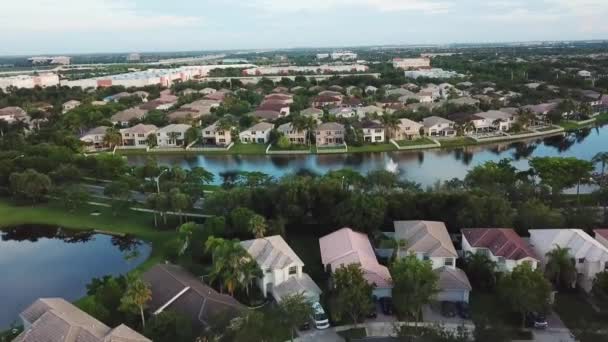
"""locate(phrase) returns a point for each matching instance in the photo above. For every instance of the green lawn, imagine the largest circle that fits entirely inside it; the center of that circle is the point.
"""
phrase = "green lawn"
(293, 147)
(457, 142)
(580, 318)
(372, 148)
(421, 141)
(140, 225)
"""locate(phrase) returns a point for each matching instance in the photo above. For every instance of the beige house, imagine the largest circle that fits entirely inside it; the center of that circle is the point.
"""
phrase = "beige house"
(69, 105)
(137, 136)
(94, 138)
(123, 118)
(294, 136)
(330, 134)
(214, 135)
(407, 130)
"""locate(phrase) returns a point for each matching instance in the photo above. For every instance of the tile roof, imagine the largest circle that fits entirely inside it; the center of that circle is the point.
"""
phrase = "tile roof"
(129, 114)
(15, 111)
(345, 247)
(330, 126)
(434, 120)
(271, 252)
(452, 279)
(262, 126)
(174, 128)
(56, 320)
(97, 130)
(581, 245)
(174, 288)
(427, 237)
(601, 232)
(371, 124)
(303, 284)
(139, 129)
(503, 242)
(311, 112)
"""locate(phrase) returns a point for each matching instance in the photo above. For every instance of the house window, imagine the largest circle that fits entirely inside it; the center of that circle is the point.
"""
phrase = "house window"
(426, 257)
(140, 135)
(293, 270)
(448, 262)
(268, 270)
(501, 260)
(581, 260)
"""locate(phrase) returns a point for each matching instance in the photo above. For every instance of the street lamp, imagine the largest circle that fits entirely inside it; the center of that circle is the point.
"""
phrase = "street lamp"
(157, 179)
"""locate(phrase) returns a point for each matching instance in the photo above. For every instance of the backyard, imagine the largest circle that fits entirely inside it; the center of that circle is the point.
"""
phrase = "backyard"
(415, 142)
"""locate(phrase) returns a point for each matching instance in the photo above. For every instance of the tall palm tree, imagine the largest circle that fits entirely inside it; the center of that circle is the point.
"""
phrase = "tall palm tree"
(391, 123)
(112, 137)
(185, 235)
(560, 267)
(137, 295)
(601, 158)
(258, 226)
(481, 270)
(229, 261)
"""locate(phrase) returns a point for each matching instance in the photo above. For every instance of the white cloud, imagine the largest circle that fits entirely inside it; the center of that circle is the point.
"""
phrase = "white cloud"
(85, 16)
(522, 15)
(428, 6)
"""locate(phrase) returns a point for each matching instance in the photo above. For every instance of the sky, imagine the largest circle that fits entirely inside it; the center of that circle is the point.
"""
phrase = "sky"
(88, 26)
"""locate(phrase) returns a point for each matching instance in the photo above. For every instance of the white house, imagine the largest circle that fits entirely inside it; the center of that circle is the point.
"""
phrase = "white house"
(493, 120)
(345, 247)
(69, 105)
(257, 134)
(589, 255)
(435, 126)
(137, 135)
(431, 242)
(94, 138)
(502, 245)
(172, 136)
(214, 135)
(373, 131)
(281, 268)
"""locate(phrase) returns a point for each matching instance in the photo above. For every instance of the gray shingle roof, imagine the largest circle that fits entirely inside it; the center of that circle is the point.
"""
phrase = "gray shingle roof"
(452, 279)
(271, 252)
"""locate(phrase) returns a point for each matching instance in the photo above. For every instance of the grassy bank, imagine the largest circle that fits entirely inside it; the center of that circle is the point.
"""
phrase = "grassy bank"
(372, 148)
(140, 225)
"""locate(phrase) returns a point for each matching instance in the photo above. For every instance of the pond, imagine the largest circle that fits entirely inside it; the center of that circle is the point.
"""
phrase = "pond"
(41, 261)
(424, 167)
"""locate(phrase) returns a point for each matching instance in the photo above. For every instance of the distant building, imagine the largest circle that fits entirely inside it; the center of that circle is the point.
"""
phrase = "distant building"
(584, 74)
(42, 80)
(432, 73)
(94, 138)
(344, 56)
(60, 60)
(373, 131)
(322, 55)
(123, 118)
(69, 105)
(411, 63)
(313, 69)
(133, 57)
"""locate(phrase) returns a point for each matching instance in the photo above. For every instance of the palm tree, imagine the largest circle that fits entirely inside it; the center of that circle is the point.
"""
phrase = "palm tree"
(138, 293)
(560, 267)
(185, 235)
(112, 137)
(229, 263)
(481, 270)
(258, 226)
(250, 271)
(602, 158)
(391, 123)
(151, 140)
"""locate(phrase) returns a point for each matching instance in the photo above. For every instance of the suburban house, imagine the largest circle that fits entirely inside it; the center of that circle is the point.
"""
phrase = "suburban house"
(343, 112)
(257, 134)
(373, 131)
(185, 115)
(493, 120)
(214, 135)
(175, 289)
(501, 245)
(407, 130)
(282, 269)
(69, 105)
(330, 134)
(137, 136)
(172, 136)
(345, 247)
(335, 93)
(158, 104)
(314, 113)
(57, 320)
(285, 98)
(294, 136)
(271, 110)
(123, 118)
(589, 255)
(369, 110)
(436, 126)
(370, 90)
(12, 114)
(601, 235)
(429, 240)
(94, 138)
(326, 101)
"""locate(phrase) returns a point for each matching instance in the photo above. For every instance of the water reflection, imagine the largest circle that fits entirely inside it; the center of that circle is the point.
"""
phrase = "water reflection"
(424, 167)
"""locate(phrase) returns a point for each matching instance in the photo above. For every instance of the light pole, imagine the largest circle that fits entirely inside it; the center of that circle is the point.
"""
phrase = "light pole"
(157, 179)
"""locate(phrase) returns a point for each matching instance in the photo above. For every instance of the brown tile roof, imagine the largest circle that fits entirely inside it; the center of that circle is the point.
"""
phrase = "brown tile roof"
(427, 237)
(502, 242)
(15, 111)
(188, 295)
(129, 114)
(273, 105)
(56, 320)
(601, 232)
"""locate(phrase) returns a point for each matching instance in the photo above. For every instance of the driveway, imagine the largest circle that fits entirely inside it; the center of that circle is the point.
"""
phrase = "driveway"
(556, 332)
(314, 335)
(432, 313)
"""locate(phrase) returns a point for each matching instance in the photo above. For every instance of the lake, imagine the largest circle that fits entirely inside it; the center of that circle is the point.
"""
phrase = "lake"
(40, 261)
(424, 167)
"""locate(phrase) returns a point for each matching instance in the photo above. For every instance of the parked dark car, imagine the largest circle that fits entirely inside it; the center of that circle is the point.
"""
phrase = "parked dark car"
(372, 313)
(304, 326)
(387, 305)
(537, 320)
(464, 310)
(448, 309)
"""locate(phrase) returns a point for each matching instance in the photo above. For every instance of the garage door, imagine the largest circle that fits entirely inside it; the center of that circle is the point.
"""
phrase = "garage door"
(453, 296)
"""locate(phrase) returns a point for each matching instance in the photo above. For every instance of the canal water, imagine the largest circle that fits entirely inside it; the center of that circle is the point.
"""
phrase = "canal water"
(424, 167)
(41, 261)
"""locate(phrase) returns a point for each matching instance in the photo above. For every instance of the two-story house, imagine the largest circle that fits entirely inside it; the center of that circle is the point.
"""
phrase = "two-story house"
(346, 247)
(493, 120)
(373, 131)
(430, 241)
(281, 268)
(94, 138)
(501, 245)
(435, 126)
(123, 118)
(172, 136)
(330, 134)
(589, 255)
(407, 130)
(215, 135)
(137, 136)
(295, 136)
(257, 134)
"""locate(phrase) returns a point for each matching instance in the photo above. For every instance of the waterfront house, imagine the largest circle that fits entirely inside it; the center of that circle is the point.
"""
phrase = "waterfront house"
(435, 126)
(345, 247)
(57, 320)
(175, 289)
(501, 245)
(215, 135)
(257, 134)
(295, 136)
(373, 131)
(137, 136)
(430, 241)
(94, 138)
(493, 120)
(407, 130)
(330, 134)
(281, 268)
(172, 136)
(589, 256)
